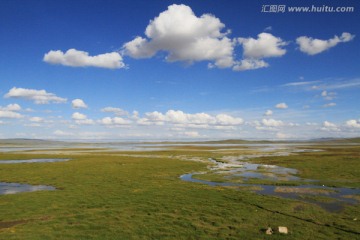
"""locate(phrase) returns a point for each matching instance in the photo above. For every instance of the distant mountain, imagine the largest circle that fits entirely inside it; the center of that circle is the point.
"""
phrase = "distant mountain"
(26, 141)
(337, 140)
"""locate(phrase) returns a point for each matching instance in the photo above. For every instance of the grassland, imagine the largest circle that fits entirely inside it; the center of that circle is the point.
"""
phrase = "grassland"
(131, 195)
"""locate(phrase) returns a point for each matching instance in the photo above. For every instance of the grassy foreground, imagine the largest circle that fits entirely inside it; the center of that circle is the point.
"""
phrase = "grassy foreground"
(112, 196)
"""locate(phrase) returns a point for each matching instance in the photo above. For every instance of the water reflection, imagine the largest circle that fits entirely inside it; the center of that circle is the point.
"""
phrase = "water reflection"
(237, 166)
(12, 188)
(339, 195)
(44, 160)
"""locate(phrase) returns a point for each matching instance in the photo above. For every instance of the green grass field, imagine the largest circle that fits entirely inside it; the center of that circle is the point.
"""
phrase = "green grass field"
(113, 195)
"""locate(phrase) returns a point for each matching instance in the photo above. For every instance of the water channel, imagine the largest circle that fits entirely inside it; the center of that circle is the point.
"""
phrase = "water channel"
(238, 167)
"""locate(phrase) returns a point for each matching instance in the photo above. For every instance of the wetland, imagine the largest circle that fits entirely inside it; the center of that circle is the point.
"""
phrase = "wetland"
(209, 190)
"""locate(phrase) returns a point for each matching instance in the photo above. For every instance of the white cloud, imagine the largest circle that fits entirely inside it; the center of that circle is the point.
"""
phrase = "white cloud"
(9, 114)
(135, 115)
(81, 119)
(329, 126)
(85, 122)
(184, 37)
(224, 119)
(329, 105)
(11, 107)
(78, 103)
(254, 50)
(268, 29)
(352, 83)
(36, 119)
(268, 113)
(181, 117)
(265, 46)
(76, 58)
(315, 46)
(78, 116)
(299, 84)
(192, 134)
(328, 95)
(116, 121)
(272, 122)
(249, 64)
(38, 96)
(62, 133)
(281, 106)
(283, 135)
(196, 120)
(353, 123)
(10, 111)
(106, 121)
(155, 116)
(116, 111)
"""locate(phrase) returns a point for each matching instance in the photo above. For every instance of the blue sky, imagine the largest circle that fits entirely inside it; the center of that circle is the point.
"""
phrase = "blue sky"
(178, 70)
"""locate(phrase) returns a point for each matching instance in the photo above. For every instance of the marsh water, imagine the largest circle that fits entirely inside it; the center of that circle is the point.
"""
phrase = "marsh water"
(234, 167)
(12, 188)
(338, 194)
(44, 160)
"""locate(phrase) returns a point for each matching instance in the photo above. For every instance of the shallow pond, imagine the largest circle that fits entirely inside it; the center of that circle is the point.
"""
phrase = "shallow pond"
(331, 199)
(41, 160)
(297, 192)
(12, 188)
(238, 167)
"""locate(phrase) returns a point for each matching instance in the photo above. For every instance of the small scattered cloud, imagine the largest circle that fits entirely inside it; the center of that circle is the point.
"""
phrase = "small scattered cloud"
(76, 58)
(116, 111)
(196, 119)
(299, 84)
(281, 106)
(10, 111)
(329, 105)
(249, 64)
(343, 84)
(62, 133)
(329, 126)
(78, 103)
(268, 29)
(268, 113)
(192, 134)
(254, 50)
(11, 107)
(280, 135)
(37, 96)
(81, 119)
(36, 119)
(353, 123)
(328, 95)
(266, 45)
(313, 46)
(9, 114)
(116, 121)
(78, 116)
(272, 123)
